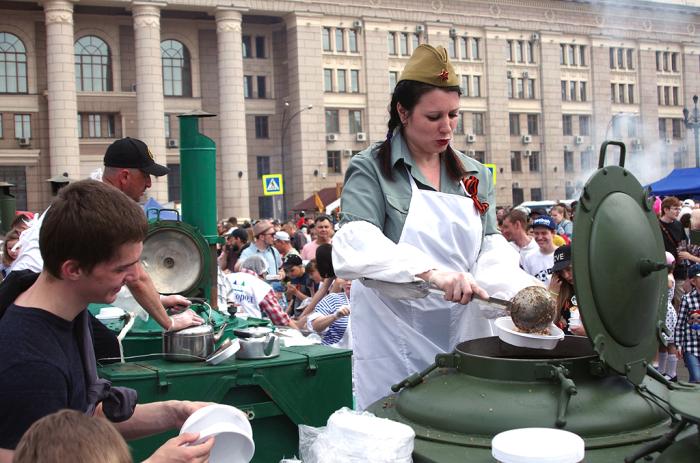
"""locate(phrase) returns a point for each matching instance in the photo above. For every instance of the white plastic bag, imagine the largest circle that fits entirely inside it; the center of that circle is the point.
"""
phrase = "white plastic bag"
(125, 300)
(498, 271)
(356, 437)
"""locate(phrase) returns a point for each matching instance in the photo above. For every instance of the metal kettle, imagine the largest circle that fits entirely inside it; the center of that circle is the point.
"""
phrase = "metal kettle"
(257, 343)
(191, 344)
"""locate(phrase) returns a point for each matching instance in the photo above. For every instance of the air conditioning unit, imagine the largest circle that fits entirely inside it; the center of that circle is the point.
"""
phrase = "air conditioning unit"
(24, 141)
(471, 153)
(172, 143)
(668, 141)
(525, 75)
(453, 32)
(637, 144)
(578, 139)
(361, 136)
(509, 74)
(535, 37)
(567, 147)
(347, 153)
(357, 24)
(332, 137)
(420, 29)
(527, 139)
(591, 147)
(527, 153)
(471, 138)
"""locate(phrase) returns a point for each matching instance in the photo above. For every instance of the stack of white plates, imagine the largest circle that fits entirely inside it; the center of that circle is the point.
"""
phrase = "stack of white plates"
(537, 445)
(230, 428)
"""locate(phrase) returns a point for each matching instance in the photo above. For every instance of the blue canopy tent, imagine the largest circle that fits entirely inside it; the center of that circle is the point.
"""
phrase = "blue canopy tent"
(683, 183)
(152, 206)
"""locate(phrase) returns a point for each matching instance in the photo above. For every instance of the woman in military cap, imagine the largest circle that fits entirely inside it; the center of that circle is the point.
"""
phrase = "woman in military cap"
(413, 207)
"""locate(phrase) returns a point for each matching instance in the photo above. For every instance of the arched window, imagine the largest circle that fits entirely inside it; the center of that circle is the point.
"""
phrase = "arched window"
(93, 65)
(13, 64)
(177, 78)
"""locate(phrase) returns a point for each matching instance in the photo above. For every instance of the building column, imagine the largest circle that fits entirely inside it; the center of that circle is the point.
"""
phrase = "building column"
(63, 107)
(233, 149)
(600, 89)
(376, 69)
(691, 87)
(150, 107)
(553, 175)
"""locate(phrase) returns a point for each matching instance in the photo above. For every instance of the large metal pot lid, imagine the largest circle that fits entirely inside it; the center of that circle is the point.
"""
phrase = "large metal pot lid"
(620, 276)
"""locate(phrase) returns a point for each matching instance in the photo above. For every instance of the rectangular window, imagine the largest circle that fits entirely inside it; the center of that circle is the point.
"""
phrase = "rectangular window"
(675, 96)
(248, 86)
(459, 128)
(676, 128)
(674, 62)
(662, 128)
(617, 128)
(587, 162)
(480, 156)
(510, 87)
(566, 124)
(355, 81)
(612, 92)
(23, 126)
(572, 55)
(677, 160)
(509, 51)
(514, 123)
(632, 127)
(475, 48)
(452, 47)
(658, 61)
(582, 91)
(342, 87)
(630, 60)
(531, 89)
(518, 195)
(621, 93)
(534, 161)
(339, 39)
(333, 161)
(355, 120)
(332, 121)
(532, 125)
(352, 41)
(110, 126)
(584, 125)
(94, 126)
(166, 121)
(415, 39)
(328, 80)
(667, 95)
(80, 125)
(516, 163)
(465, 85)
(476, 86)
(659, 95)
(261, 127)
(262, 87)
(403, 43)
(612, 58)
(263, 165)
(478, 124)
(562, 54)
(266, 207)
(572, 90)
(568, 161)
(620, 58)
(530, 52)
(260, 47)
(582, 55)
(463, 46)
(391, 42)
(630, 93)
(564, 90)
(246, 46)
(327, 39)
(393, 77)
(521, 88)
(536, 194)
(174, 183)
(519, 51)
(666, 56)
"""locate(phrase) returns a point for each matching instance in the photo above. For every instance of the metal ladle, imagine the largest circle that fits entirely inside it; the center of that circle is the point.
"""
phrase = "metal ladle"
(416, 290)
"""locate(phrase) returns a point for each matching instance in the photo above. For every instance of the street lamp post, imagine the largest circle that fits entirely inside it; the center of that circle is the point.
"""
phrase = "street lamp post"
(693, 122)
(286, 121)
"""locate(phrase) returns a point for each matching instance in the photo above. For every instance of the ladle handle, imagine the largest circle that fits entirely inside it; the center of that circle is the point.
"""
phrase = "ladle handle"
(490, 300)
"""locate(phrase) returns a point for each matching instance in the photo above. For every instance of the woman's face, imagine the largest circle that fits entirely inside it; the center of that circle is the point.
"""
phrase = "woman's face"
(10, 253)
(556, 215)
(428, 127)
(567, 274)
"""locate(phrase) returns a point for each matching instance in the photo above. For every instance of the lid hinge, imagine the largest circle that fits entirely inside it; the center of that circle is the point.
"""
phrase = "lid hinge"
(450, 360)
(567, 388)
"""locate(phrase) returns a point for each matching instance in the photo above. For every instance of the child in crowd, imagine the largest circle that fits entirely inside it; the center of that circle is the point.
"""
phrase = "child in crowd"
(687, 332)
(668, 354)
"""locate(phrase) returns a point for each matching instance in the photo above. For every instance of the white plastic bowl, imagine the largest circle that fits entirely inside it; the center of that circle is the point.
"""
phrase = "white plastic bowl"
(537, 445)
(110, 314)
(509, 334)
(225, 354)
(231, 429)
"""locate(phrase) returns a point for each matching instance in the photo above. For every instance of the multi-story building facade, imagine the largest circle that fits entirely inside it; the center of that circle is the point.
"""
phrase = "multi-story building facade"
(300, 86)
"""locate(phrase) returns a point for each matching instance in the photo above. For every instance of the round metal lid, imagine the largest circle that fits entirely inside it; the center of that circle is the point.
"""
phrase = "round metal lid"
(619, 268)
(173, 259)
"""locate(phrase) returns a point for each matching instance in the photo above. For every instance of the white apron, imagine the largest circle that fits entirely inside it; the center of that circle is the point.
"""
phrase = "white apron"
(392, 338)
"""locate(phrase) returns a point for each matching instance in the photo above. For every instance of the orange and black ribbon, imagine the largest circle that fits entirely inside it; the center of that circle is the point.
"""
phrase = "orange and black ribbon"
(471, 185)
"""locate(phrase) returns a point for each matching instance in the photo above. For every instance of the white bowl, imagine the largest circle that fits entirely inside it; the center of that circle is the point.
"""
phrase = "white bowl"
(537, 445)
(509, 334)
(110, 312)
(225, 354)
(231, 428)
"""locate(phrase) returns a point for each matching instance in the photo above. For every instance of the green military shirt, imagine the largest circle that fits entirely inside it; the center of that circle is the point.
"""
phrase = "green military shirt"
(368, 195)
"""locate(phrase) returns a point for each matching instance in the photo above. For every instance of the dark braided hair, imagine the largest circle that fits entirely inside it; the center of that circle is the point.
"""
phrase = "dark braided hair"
(408, 93)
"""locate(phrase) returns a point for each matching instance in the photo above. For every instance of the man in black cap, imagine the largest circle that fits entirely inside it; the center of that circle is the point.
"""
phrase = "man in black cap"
(129, 165)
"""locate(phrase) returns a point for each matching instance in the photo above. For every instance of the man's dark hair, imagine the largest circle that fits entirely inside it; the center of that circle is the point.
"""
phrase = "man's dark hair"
(517, 215)
(88, 222)
(322, 217)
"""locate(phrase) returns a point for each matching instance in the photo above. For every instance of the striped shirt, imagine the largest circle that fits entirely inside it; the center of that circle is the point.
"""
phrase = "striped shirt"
(687, 339)
(329, 305)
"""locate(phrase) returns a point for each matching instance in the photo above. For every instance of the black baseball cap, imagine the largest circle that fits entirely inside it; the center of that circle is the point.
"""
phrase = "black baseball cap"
(562, 258)
(131, 153)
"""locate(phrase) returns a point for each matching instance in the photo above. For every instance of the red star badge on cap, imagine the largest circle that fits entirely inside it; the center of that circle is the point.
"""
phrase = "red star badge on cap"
(444, 75)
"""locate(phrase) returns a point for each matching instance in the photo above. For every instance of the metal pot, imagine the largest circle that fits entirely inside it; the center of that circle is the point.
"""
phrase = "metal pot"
(257, 343)
(191, 344)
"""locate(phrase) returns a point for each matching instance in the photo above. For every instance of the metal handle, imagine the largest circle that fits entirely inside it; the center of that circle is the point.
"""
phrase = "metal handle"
(566, 390)
(646, 266)
(603, 149)
(441, 361)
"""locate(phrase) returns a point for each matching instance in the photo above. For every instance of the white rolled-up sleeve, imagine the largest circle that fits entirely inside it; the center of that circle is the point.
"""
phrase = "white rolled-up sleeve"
(360, 249)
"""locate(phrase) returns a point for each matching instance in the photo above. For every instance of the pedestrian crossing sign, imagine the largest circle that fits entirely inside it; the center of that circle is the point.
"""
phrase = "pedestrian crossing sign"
(492, 168)
(272, 184)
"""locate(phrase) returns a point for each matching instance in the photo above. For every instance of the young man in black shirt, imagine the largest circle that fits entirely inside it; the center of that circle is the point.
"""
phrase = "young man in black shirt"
(91, 242)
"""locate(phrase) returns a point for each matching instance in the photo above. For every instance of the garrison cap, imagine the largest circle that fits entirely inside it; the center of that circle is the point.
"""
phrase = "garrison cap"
(430, 65)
